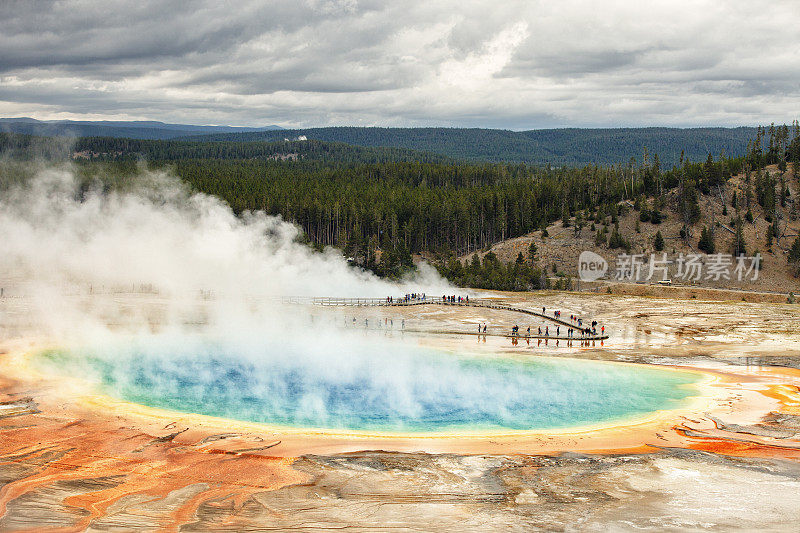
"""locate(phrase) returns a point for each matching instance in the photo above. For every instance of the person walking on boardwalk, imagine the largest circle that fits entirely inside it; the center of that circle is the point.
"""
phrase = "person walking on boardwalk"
(484, 328)
(602, 330)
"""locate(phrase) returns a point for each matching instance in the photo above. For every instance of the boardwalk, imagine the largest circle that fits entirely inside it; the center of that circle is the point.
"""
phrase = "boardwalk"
(474, 302)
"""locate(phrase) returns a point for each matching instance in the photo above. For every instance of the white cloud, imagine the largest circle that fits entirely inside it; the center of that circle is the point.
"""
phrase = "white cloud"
(515, 64)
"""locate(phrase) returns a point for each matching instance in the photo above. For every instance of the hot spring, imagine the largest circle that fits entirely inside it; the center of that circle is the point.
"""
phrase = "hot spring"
(394, 389)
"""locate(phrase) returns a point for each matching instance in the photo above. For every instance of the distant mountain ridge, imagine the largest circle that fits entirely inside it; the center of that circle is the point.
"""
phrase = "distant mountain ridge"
(136, 129)
(23, 146)
(557, 147)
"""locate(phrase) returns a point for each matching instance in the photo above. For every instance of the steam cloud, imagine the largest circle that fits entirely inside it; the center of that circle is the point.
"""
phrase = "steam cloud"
(151, 263)
(64, 246)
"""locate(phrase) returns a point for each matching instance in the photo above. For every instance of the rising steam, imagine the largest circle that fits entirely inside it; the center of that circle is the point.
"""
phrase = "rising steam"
(151, 234)
(152, 271)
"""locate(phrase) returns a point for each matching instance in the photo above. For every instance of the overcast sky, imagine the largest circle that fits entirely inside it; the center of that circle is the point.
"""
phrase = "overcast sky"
(502, 64)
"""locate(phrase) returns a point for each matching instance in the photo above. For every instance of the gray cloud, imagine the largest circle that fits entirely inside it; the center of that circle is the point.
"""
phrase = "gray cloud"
(517, 64)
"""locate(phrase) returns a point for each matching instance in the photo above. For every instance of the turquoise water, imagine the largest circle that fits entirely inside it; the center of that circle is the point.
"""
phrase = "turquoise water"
(406, 389)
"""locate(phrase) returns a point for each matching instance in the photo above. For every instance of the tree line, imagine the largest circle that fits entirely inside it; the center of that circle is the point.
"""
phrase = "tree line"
(382, 205)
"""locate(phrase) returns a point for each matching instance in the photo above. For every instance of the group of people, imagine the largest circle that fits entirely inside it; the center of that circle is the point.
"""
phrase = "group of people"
(408, 297)
(422, 297)
(585, 332)
(546, 333)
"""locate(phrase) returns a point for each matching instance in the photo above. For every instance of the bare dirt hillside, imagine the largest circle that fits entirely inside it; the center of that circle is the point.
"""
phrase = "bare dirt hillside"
(565, 243)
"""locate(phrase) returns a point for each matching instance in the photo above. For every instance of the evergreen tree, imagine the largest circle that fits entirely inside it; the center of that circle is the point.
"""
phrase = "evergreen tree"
(616, 240)
(739, 247)
(656, 217)
(600, 238)
(794, 251)
(658, 242)
(706, 243)
(532, 251)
